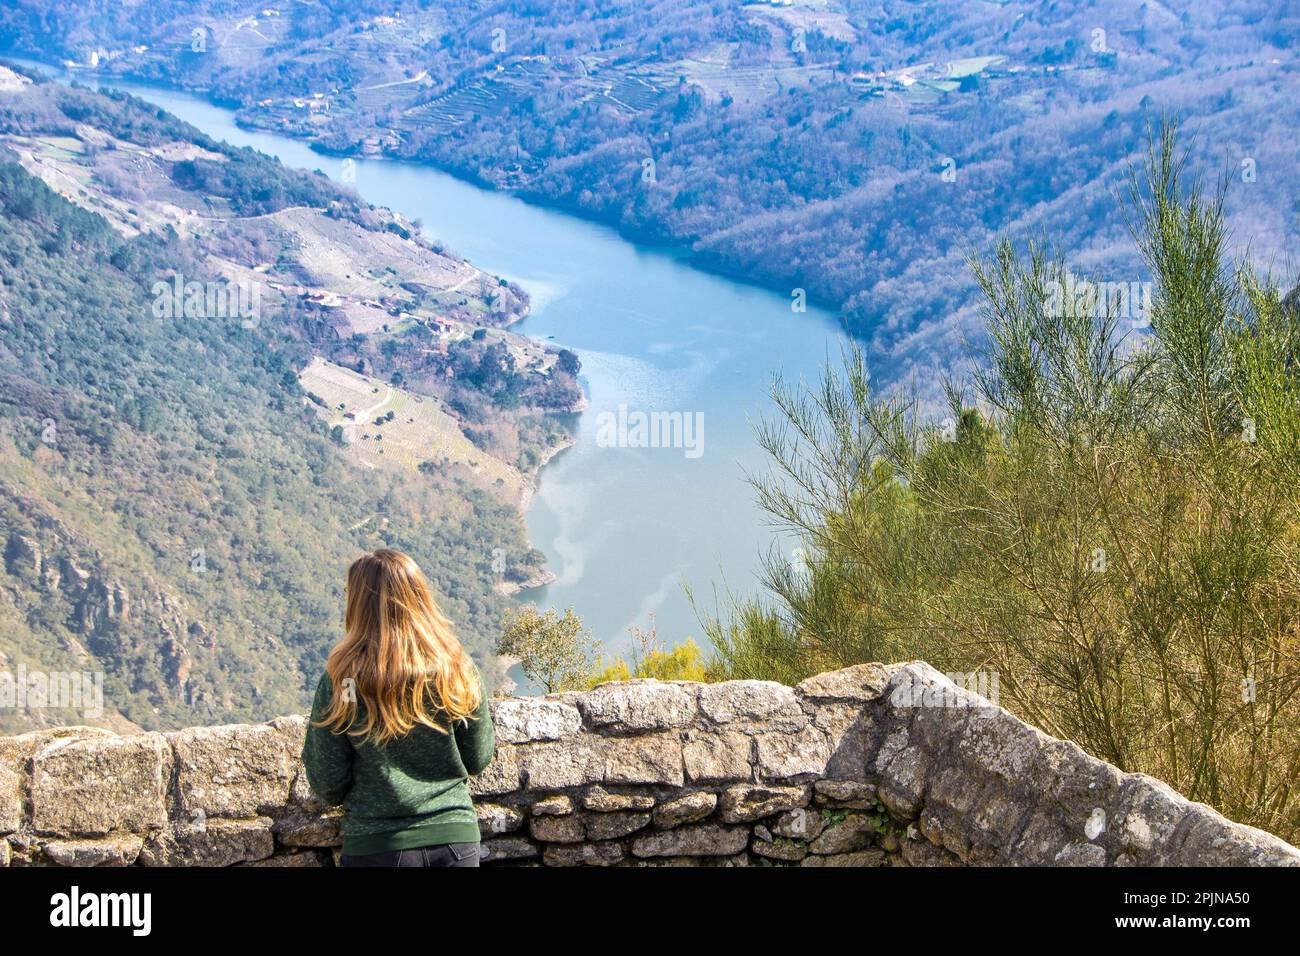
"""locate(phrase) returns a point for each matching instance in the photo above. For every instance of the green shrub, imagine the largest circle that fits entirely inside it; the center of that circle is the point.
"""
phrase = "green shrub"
(1111, 524)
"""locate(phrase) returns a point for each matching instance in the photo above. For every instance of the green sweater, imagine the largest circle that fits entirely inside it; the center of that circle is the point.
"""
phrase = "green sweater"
(410, 792)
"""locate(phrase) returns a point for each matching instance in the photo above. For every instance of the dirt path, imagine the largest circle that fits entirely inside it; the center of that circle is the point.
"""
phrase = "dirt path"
(363, 417)
(383, 86)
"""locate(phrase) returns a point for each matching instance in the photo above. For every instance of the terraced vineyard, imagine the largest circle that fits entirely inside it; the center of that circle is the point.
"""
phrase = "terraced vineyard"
(421, 429)
(489, 97)
(633, 94)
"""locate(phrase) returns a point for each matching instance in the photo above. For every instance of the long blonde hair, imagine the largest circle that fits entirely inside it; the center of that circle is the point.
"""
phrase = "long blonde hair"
(398, 655)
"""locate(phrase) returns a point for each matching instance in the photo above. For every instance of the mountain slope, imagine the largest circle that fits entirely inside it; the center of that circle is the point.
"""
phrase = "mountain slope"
(176, 510)
(855, 150)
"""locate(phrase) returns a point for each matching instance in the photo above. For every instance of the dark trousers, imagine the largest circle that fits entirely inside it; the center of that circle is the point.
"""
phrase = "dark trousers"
(442, 854)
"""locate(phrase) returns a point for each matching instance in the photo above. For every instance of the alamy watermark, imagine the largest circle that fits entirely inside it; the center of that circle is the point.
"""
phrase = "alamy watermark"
(208, 300)
(133, 911)
(957, 693)
(24, 690)
(636, 429)
(1119, 300)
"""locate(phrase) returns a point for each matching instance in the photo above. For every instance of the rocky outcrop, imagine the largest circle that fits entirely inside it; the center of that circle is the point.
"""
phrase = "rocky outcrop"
(869, 766)
(57, 574)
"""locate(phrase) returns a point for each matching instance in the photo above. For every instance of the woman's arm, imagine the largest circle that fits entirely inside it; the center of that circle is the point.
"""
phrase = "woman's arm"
(326, 755)
(476, 738)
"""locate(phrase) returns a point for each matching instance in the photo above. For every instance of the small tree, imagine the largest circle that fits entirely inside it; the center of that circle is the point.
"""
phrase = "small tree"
(555, 652)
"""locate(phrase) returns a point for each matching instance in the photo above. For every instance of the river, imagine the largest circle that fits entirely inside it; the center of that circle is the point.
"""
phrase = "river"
(625, 529)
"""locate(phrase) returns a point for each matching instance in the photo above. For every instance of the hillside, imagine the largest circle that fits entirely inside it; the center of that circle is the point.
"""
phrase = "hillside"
(853, 150)
(178, 509)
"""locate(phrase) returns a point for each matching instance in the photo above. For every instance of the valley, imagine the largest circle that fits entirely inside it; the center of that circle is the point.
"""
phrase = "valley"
(272, 330)
(851, 150)
(343, 281)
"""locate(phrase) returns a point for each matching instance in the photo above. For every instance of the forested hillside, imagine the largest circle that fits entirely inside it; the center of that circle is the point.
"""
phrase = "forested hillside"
(855, 150)
(175, 508)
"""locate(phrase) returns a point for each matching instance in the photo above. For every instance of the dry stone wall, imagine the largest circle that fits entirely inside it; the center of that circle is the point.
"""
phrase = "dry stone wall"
(869, 766)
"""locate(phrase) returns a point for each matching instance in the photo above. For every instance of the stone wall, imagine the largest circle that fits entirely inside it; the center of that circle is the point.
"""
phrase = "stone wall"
(873, 765)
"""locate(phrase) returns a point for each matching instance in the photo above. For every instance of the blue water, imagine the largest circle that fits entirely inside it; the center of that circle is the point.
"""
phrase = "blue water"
(625, 529)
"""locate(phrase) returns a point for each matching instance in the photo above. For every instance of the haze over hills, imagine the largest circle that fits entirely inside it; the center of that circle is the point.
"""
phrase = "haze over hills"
(855, 150)
(220, 379)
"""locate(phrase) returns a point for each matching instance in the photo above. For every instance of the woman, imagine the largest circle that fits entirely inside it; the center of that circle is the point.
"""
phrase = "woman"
(399, 724)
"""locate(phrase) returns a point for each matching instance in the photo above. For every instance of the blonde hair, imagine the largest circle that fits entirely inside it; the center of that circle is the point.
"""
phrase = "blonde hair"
(398, 655)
